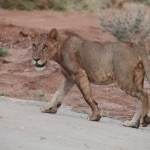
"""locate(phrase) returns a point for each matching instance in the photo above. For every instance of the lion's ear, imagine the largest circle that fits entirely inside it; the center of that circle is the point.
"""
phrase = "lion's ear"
(32, 34)
(53, 35)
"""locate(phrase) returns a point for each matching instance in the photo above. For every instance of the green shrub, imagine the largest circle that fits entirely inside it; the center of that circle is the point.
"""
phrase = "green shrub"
(60, 5)
(40, 94)
(127, 26)
(73, 5)
(3, 52)
(4, 94)
(26, 4)
(146, 2)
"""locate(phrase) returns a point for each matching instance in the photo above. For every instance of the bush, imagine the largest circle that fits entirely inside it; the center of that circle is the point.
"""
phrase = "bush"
(73, 5)
(146, 2)
(60, 5)
(3, 52)
(26, 4)
(104, 4)
(127, 27)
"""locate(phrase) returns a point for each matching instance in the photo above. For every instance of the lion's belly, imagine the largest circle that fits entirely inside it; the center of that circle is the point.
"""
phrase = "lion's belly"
(100, 77)
(97, 62)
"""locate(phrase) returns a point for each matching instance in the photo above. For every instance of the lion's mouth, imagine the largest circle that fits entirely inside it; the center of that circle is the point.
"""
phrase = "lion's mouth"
(40, 66)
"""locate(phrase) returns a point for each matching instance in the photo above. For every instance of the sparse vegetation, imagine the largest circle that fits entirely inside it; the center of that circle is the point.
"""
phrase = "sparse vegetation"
(73, 5)
(146, 2)
(63, 5)
(26, 4)
(128, 26)
(82, 111)
(40, 94)
(3, 52)
(103, 4)
(4, 94)
(60, 5)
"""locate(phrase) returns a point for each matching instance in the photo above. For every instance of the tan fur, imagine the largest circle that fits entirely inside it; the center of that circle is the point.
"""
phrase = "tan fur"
(83, 61)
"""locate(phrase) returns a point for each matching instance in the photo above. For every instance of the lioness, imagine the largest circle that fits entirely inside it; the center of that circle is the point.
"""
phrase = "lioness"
(84, 61)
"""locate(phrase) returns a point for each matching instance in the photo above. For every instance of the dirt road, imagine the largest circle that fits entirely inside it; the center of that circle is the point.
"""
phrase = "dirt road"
(23, 126)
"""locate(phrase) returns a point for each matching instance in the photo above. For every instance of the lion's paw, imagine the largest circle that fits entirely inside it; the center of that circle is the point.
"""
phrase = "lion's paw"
(132, 124)
(94, 117)
(146, 121)
(48, 109)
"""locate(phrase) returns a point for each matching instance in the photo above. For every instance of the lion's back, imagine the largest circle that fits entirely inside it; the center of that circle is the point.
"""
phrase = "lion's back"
(104, 61)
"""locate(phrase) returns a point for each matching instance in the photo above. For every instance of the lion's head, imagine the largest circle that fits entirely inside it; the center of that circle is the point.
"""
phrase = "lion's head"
(44, 47)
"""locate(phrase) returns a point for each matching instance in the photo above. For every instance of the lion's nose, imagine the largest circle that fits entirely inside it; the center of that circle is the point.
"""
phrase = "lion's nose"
(36, 59)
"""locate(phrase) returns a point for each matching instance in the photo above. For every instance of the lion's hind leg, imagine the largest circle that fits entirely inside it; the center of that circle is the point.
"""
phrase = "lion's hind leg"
(141, 101)
(142, 108)
(135, 122)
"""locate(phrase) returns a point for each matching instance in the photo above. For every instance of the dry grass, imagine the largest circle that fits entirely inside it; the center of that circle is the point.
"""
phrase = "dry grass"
(61, 5)
(3, 52)
(127, 25)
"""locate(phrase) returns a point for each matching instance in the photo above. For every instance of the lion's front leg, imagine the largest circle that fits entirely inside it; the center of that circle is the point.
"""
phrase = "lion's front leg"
(58, 97)
(83, 84)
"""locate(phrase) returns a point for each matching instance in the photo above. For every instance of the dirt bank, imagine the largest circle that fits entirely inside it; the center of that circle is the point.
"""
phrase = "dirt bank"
(18, 77)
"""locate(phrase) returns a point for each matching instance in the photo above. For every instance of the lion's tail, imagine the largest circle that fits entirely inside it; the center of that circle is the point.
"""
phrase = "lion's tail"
(145, 62)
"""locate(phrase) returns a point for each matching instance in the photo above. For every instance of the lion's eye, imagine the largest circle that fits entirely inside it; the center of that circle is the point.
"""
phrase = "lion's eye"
(45, 47)
(34, 46)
